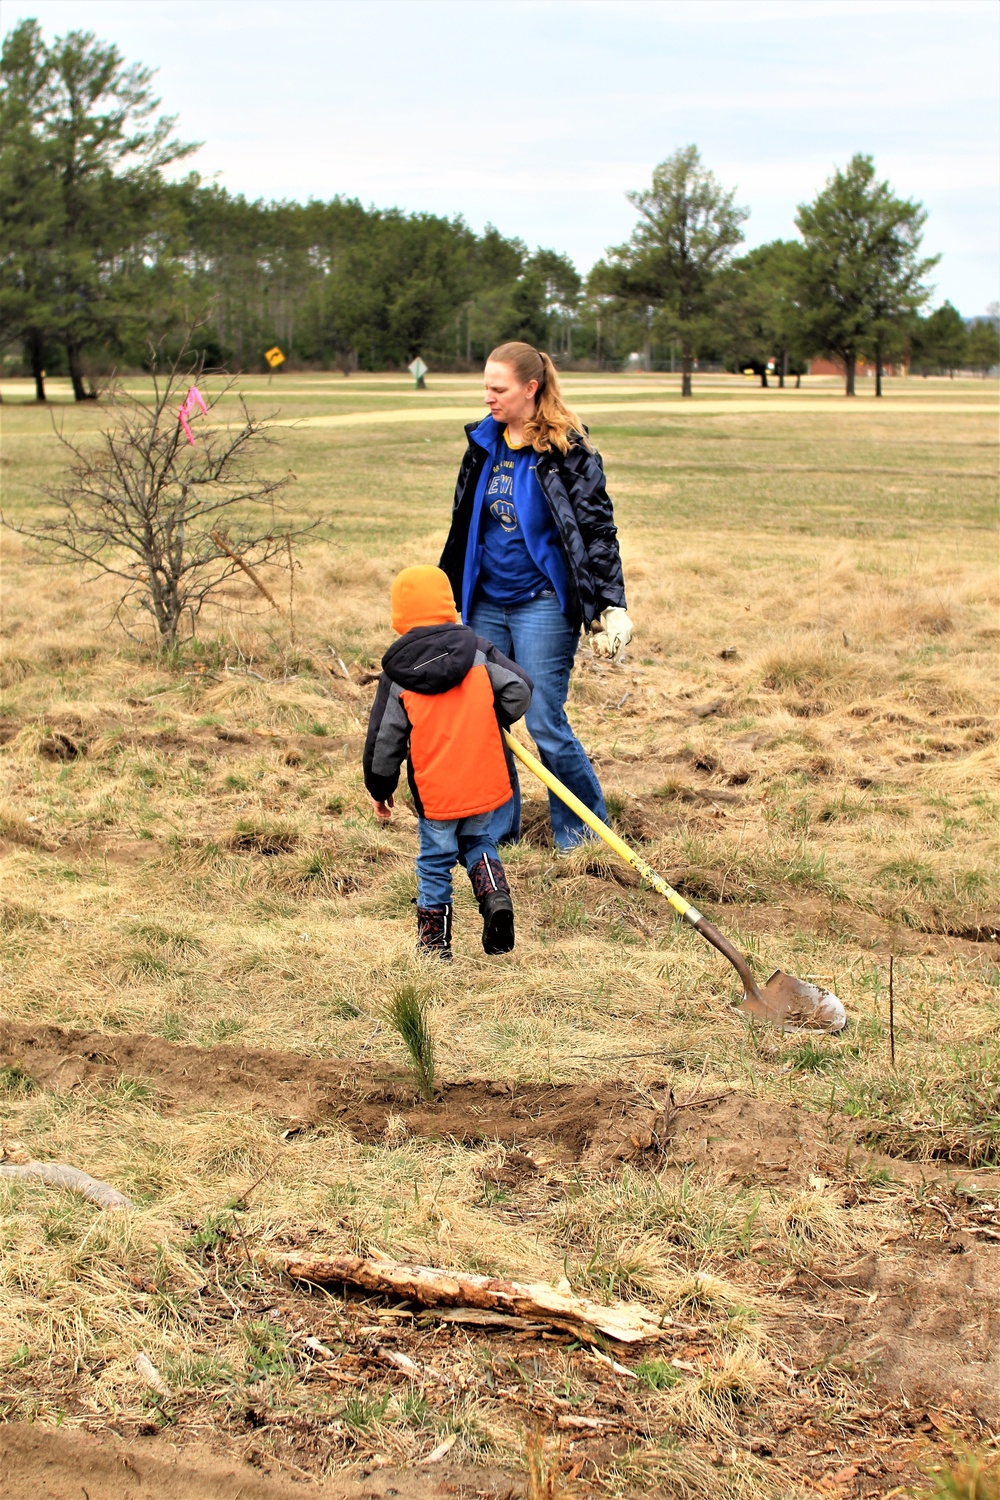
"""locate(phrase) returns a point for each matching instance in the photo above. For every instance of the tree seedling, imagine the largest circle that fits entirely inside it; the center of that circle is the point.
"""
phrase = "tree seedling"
(408, 1017)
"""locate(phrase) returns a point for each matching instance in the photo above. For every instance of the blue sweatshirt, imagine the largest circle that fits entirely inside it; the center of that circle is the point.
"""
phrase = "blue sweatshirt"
(513, 551)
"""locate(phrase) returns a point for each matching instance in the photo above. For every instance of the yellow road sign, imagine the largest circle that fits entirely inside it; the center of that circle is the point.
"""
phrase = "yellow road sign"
(274, 357)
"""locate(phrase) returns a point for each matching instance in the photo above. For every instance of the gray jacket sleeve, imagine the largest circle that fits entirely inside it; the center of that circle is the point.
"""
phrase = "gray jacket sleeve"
(511, 686)
(387, 741)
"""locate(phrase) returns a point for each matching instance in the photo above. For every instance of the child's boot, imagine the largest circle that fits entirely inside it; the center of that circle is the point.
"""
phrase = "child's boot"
(489, 883)
(434, 931)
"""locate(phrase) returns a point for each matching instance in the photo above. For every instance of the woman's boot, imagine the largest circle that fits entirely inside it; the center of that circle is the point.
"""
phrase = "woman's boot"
(489, 883)
(434, 931)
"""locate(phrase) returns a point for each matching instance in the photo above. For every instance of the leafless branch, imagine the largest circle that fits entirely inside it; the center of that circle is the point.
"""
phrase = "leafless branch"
(172, 521)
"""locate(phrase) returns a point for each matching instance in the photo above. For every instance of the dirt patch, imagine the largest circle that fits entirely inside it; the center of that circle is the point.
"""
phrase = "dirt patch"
(923, 1321)
(755, 1141)
(46, 1463)
(61, 747)
(735, 1137)
(570, 1122)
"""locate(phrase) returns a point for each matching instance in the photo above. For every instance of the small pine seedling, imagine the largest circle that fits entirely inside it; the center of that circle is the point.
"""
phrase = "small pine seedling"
(408, 1017)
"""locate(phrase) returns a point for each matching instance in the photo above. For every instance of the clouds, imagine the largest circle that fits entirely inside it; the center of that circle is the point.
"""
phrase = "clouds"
(537, 115)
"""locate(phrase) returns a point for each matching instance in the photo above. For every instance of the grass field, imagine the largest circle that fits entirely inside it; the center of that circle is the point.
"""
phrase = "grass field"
(203, 931)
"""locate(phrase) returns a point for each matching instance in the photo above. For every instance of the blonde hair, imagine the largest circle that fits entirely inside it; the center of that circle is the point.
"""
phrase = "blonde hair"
(553, 425)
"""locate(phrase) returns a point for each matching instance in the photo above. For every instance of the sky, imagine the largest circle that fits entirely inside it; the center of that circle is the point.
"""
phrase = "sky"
(539, 115)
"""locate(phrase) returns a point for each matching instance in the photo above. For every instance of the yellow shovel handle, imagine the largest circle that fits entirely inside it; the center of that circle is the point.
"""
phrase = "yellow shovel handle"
(682, 907)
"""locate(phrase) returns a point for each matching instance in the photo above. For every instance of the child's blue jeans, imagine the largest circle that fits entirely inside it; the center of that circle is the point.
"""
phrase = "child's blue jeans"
(442, 845)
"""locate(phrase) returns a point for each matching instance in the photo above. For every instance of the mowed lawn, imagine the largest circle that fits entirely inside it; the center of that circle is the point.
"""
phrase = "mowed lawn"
(803, 738)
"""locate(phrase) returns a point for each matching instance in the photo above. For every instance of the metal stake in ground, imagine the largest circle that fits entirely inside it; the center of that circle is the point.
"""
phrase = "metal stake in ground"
(783, 1001)
(892, 1017)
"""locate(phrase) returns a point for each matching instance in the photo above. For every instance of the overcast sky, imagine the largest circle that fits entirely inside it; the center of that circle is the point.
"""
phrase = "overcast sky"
(538, 115)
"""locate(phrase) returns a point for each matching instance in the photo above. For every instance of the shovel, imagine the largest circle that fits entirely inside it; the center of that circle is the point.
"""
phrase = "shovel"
(790, 1004)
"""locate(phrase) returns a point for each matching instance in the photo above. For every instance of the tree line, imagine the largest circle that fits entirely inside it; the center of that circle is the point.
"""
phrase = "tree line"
(102, 255)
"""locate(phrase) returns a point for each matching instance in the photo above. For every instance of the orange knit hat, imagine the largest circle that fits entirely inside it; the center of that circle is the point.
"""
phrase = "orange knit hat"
(422, 596)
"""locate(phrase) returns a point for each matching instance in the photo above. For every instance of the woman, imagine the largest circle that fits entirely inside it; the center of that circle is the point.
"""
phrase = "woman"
(532, 556)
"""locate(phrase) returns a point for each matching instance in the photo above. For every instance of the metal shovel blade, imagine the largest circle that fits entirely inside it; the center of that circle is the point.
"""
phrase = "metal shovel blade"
(793, 1005)
(790, 1004)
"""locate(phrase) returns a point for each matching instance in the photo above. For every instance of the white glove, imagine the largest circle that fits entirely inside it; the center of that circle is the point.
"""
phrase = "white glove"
(612, 635)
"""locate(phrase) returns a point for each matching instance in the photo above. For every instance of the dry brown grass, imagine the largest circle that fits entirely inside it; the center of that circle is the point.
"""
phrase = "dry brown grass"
(206, 870)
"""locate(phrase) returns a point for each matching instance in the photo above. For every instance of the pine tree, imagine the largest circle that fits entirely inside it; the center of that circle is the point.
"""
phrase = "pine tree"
(862, 276)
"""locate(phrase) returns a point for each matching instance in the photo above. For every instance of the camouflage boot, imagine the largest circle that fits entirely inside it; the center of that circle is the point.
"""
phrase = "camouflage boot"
(434, 931)
(489, 883)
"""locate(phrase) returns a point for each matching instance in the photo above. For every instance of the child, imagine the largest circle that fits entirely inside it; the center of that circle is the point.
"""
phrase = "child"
(443, 696)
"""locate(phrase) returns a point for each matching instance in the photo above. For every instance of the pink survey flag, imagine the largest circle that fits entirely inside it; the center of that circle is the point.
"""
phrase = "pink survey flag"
(191, 400)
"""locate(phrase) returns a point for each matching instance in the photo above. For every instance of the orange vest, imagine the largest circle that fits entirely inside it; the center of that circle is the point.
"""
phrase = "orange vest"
(456, 752)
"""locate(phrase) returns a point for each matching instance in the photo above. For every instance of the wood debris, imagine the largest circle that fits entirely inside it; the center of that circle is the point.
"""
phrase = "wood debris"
(430, 1286)
(56, 1174)
(150, 1375)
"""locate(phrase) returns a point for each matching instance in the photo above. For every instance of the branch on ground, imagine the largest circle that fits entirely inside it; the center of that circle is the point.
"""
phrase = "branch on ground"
(56, 1174)
(431, 1287)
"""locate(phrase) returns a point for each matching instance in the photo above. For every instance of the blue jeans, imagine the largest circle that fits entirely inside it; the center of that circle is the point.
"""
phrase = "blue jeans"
(540, 639)
(443, 843)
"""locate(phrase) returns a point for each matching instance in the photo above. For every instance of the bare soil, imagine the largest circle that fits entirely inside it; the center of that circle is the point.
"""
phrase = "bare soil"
(46, 1463)
(568, 1119)
(925, 1320)
(733, 1135)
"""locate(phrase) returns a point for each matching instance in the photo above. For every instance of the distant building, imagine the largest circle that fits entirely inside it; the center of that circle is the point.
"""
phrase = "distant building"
(864, 367)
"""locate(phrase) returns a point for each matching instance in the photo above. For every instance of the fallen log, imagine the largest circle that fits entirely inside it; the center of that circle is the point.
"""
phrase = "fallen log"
(55, 1174)
(430, 1286)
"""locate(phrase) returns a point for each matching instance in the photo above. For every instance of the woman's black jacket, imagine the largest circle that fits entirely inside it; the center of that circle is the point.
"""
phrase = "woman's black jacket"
(573, 484)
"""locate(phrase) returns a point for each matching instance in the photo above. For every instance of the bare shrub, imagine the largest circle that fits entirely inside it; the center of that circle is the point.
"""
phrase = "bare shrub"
(142, 506)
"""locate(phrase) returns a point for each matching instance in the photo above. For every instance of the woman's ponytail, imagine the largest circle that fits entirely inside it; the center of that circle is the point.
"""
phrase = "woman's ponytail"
(553, 424)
